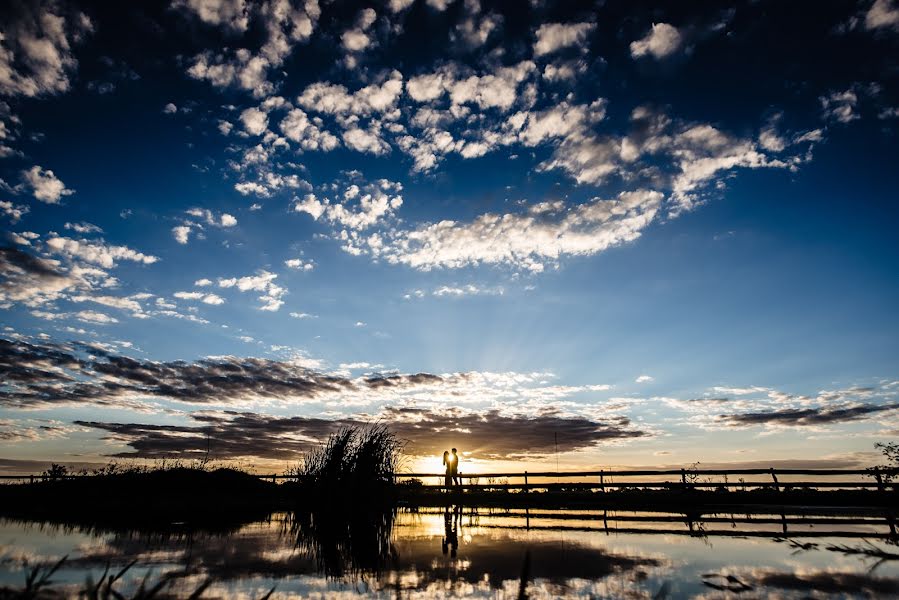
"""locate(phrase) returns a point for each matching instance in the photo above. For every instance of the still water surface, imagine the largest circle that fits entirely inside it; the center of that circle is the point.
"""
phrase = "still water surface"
(465, 552)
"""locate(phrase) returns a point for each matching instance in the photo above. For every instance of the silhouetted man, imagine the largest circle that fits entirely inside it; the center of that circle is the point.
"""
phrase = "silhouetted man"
(454, 467)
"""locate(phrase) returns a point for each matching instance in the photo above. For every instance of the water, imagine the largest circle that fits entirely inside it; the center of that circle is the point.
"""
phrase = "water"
(437, 553)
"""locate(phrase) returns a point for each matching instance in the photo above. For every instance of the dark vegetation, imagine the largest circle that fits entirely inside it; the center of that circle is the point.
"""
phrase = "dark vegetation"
(353, 473)
(207, 498)
(354, 463)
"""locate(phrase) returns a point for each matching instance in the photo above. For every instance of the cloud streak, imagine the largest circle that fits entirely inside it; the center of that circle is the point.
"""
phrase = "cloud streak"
(490, 435)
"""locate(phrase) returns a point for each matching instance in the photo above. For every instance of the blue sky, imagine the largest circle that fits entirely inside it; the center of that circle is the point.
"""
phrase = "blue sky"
(655, 233)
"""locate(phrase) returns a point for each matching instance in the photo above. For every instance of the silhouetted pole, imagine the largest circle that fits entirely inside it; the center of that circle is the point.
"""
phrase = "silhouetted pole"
(602, 483)
(525, 482)
(879, 479)
(774, 477)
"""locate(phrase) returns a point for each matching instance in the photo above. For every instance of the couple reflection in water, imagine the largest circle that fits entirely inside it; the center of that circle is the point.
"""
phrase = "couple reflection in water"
(451, 520)
(451, 517)
(451, 462)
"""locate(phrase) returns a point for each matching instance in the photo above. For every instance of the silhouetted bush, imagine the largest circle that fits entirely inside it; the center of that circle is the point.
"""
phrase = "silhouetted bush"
(55, 472)
(352, 460)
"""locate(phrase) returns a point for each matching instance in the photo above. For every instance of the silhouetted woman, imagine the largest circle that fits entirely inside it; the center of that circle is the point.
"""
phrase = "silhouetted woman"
(449, 468)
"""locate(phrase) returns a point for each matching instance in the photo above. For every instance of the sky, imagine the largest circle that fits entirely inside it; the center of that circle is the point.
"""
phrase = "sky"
(579, 234)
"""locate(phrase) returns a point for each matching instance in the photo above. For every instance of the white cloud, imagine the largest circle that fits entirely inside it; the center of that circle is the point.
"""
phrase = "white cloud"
(252, 187)
(255, 121)
(527, 241)
(661, 41)
(739, 391)
(205, 298)
(203, 282)
(336, 99)
(210, 218)
(475, 29)
(83, 227)
(365, 141)
(111, 301)
(299, 315)
(36, 42)
(840, 106)
(15, 212)
(359, 208)
(299, 264)
(771, 140)
(24, 237)
(644, 379)
(35, 280)
(396, 6)
(499, 89)
(170, 109)
(97, 252)
(702, 151)
(694, 153)
(883, 13)
(555, 36)
(92, 316)
(228, 13)
(181, 233)
(297, 127)
(467, 290)
(283, 25)
(261, 282)
(45, 185)
(439, 5)
(567, 71)
(357, 39)
(310, 205)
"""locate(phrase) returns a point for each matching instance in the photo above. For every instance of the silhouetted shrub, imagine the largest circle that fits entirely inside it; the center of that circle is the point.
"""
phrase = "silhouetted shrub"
(56, 472)
(354, 458)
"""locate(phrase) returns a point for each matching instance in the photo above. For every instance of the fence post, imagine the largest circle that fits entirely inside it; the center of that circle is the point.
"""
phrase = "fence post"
(602, 482)
(525, 482)
(683, 477)
(32, 478)
(774, 477)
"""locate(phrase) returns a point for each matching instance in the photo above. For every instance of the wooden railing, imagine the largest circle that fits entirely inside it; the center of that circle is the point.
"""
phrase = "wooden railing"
(670, 478)
(602, 480)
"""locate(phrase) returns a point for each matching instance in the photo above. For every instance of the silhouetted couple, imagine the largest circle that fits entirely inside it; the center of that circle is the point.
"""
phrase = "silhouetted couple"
(452, 468)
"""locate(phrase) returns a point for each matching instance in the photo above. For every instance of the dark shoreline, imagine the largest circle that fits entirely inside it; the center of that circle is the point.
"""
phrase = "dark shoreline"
(218, 498)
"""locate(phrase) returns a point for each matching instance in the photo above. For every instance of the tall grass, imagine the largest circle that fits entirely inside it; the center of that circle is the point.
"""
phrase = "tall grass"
(354, 459)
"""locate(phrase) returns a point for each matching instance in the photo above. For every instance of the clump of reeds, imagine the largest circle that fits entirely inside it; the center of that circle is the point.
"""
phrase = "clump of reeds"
(354, 458)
